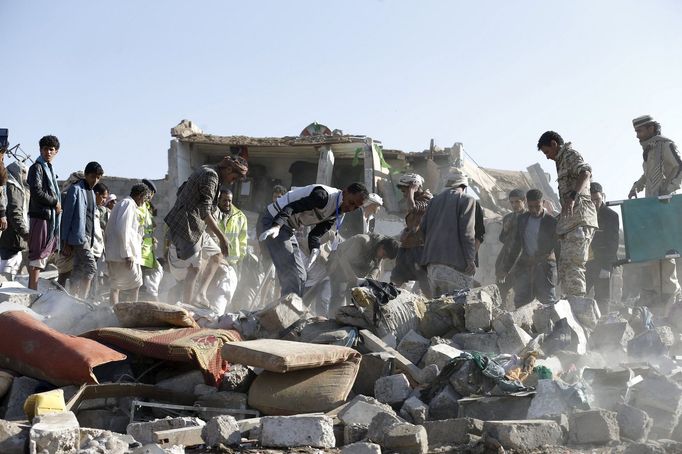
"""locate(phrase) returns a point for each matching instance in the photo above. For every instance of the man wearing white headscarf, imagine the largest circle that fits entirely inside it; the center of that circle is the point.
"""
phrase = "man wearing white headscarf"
(448, 227)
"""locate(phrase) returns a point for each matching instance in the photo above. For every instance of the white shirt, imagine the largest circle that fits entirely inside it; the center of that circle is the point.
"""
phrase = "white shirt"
(123, 235)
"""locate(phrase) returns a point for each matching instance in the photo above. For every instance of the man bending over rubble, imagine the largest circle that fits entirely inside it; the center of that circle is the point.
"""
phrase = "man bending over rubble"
(314, 205)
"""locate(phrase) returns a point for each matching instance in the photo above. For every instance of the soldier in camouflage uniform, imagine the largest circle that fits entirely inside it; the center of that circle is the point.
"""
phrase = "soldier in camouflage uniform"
(578, 218)
(662, 176)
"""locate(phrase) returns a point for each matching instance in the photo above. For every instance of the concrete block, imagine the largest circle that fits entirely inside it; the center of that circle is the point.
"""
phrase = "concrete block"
(361, 448)
(95, 441)
(143, 432)
(478, 342)
(378, 428)
(452, 432)
(414, 410)
(393, 389)
(609, 387)
(22, 387)
(362, 409)
(657, 392)
(545, 318)
(413, 346)
(281, 314)
(649, 343)
(524, 435)
(611, 336)
(445, 404)
(565, 336)
(548, 400)
(237, 379)
(478, 314)
(406, 438)
(182, 383)
(634, 423)
(593, 427)
(354, 433)
(13, 437)
(440, 355)
(221, 429)
(429, 374)
(294, 431)
(499, 408)
(512, 339)
(372, 367)
(56, 433)
(523, 316)
(19, 295)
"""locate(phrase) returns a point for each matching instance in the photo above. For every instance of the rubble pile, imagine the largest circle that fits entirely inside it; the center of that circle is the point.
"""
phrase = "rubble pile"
(460, 373)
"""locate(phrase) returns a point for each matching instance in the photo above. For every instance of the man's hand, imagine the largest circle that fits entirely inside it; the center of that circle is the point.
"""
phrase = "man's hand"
(130, 262)
(632, 194)
(470, 269)
(3, 223)
(314, 254)
(58, 208)
(272, 232)
(67, 249)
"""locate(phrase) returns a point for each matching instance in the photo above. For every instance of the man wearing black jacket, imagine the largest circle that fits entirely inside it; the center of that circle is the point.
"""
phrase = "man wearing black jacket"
(603, 250)
(534, 249)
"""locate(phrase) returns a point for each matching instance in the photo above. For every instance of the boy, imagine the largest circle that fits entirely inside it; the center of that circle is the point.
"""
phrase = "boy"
(78, 228)
(44, 209)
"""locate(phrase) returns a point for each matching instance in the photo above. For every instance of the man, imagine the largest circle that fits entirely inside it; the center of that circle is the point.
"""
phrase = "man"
(190, 217)
(407, 266)
(319, 206)
(359, 256)
(233, 223)
(662, 176)
(505, 278)
(364, 219)
(604, 249)
(78, 228)
(123, 243)
(13, 239)
(448, 227)
(152, 271)
(532, 253)
(578, 218)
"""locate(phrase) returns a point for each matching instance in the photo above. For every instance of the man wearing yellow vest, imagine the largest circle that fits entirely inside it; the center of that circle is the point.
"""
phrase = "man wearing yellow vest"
(233, 223)
(152, 272)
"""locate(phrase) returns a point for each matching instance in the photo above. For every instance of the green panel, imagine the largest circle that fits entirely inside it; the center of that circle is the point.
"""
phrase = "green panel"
(652, 227)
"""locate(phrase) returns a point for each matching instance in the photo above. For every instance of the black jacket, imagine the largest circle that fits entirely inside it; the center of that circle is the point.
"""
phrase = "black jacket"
(548, 242)
(605, 242)
(43, 198)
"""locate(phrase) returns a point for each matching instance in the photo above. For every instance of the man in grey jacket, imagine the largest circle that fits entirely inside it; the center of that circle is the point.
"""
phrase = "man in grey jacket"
(449, 237)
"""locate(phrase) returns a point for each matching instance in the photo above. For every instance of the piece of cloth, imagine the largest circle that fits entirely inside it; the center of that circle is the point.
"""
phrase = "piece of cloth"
(287, 258)
(123, 236)
(662, 167)
(456, 177)
(195, 201)
(569, 165)
(77, 223)
(40, 243)
(449, 230)
(235, 227)
(123, 277)
(574, 253)
(84, 263)
(445, 279)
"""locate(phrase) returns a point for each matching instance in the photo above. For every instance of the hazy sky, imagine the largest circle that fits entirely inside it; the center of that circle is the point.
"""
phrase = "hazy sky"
(111, 78)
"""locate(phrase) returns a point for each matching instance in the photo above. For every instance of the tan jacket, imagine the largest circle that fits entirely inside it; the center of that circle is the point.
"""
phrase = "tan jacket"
(662, 168)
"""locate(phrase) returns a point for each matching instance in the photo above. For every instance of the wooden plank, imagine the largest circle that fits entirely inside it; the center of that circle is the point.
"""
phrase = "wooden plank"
(373, 343)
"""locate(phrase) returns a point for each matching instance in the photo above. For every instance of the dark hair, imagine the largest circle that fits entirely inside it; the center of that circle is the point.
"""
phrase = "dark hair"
(518, 193)
(358, 188)
(390, 246)
(49, 142)
(94, 167)
(547, 137)
(534, 195)
(224, 190)
(100, 188)
(279, 189)
(139, 189)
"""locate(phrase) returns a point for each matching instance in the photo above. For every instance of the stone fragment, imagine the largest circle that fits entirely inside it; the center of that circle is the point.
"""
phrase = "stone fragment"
(647, 344)
(56, 433)
(545, 318)
(372, 367)
(478, 314)
(414, 410)
(406, 438)
(511, 338)
(238, 379)
(22, 387)
(104, 419)
(19, 295)
(452, 432)
(153, 448)
(13, 437)
(221, 429)
(634, 423)
(444, 405)
(182, 383)
(440, 355)
(281, 314)
(478, 342)
(143, 432)
(362, 409)
(524, 435)
(593, 427)
(523, 316)
(361, 448)
(611, 336)
(95, 441)
(609, 387)
(293, 431)
(585, 310)
(379, 426)
(413, 346)
(498, 408)
(548, 400)
(353, 433)
(393, 389)
(429, 374)
(565, 336)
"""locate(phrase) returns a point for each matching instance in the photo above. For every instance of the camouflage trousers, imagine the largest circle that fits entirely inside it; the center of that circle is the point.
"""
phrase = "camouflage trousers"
(574, 252)
(660, 279)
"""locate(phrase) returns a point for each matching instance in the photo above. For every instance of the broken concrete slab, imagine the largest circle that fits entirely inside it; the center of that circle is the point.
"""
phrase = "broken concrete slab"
(444, 405)
(379, 427)
(104, 419)
(13, 437)
(294, 431)
(22, 387)
(649, 343)
(238, 379)
(392, 390)
(498, 408)
(56, 433)
(144, 431)
(545, 318)
(361, 448)
(353, 433)
(611, 336)
(548, 400)
(452, 432)
(414, 410)
(478, 314)
(440, 355)
(523, 316)
(609, 387)
(223, 430)
(18, 295)
(372, 367)
(413, 346)
(524, 435)
(511, 338)
(565, 336)
(593, 427)
(406, 438)
(478, 342)
(634, 423)
(281, 314)
(362, 409)
(94, 441)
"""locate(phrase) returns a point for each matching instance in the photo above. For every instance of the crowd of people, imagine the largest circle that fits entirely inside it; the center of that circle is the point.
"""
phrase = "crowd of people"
(323, 240)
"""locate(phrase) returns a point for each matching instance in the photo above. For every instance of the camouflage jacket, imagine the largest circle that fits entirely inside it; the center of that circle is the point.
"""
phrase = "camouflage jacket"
(569, 165)
(662, 167)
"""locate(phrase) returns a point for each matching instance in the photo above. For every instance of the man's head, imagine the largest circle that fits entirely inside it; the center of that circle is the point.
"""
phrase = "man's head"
(49, 147)
(101, 193)
(278, 191)
(151, 186)
(372, 204)
(410, 180)
(233, 168)
(93, 173)
(597, 194)
(646, 127)
(354, 197)
(225, 200)
(457, 179)
(550, 143)
(534, 200)
(517, 200)
(111, 201)
(139, 193)
(387, 249)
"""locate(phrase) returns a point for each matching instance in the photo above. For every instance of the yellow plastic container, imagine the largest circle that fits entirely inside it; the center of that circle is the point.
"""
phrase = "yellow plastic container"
(43, 403)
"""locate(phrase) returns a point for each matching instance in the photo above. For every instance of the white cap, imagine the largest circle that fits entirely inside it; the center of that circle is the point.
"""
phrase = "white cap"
(374, 198)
